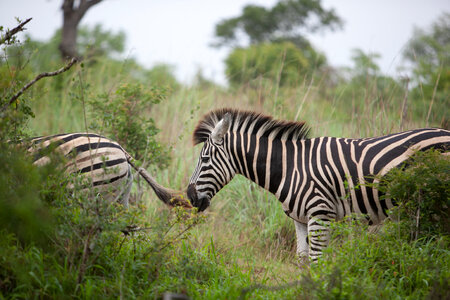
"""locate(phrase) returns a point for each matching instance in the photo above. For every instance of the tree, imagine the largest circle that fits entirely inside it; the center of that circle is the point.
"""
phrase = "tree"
(429, 53)
(365, 88)
(283, 63)
(286, 21)
(72, 15)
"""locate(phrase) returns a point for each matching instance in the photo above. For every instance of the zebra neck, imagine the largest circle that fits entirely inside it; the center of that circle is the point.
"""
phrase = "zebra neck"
(264, 161)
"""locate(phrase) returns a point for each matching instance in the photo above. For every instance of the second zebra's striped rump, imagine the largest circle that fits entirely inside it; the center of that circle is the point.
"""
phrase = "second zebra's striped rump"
(102, 163)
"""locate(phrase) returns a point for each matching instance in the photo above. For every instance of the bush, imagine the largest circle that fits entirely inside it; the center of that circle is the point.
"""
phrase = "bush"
(57, 243)
(22, 210)
(283, 63)
(162, 75)
(123, 116)
(361, 264)
(421, 190)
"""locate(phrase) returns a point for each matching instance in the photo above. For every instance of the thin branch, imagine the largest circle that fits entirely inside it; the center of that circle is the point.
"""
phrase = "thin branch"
(85, 5)
(176, 237)
(40, 76)
(10, 33)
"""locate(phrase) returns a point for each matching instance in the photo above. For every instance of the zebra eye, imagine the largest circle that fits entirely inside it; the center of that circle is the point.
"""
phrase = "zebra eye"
(205, 159)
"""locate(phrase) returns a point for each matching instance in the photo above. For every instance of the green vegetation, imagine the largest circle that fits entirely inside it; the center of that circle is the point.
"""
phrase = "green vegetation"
(58, 244)
(279, 62)
(283, 22)
(123, 116)
(421, 190)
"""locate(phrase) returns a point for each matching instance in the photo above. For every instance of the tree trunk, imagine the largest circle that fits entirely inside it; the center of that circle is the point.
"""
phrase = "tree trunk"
(68, 46)
(72, 16)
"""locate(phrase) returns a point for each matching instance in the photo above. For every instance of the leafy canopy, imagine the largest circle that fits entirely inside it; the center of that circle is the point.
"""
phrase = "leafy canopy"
(287, 20)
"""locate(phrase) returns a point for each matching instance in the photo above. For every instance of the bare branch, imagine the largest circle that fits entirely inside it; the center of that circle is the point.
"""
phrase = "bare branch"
(40, 76)
(10, 33)
(85, 5)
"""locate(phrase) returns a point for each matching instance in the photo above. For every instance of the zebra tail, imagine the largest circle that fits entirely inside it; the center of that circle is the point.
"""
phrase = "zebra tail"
(168, 196)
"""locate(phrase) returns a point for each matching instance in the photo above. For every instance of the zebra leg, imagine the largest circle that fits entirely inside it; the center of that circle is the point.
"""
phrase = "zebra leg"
(302, 239)
(319, 219)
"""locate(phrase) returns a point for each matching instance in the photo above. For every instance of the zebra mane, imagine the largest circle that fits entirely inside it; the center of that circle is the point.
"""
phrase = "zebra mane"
(247, 121)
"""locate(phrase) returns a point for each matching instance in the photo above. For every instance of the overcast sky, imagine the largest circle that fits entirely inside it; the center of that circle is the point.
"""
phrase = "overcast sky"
(179, 32)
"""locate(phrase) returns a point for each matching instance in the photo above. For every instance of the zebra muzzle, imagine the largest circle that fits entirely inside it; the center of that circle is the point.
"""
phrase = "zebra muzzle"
(201, 203)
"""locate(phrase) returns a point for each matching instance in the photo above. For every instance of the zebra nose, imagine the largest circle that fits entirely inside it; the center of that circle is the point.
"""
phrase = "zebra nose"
(201, 203)
(192, 193)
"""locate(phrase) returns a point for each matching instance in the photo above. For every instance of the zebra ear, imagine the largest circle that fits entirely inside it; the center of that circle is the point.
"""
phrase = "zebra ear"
(221, 128)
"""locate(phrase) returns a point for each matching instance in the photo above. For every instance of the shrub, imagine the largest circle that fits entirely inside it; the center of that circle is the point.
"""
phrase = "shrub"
(57, 242)
(421, 190)
(162, 75)
(283, 63)
(124, 116)
(22, 210)
(362, 264)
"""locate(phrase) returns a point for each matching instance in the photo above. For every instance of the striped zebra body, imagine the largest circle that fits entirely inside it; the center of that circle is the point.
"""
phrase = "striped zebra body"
(101, 165)
(317, 180)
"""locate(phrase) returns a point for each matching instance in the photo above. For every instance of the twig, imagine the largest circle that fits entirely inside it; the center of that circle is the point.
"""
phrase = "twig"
(416, 233)
(40, 76)
(134, 228)
(10, 33)
(176, 237)
(84, 257)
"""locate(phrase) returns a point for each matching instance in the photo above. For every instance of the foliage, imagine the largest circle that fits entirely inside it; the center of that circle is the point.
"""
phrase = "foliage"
(421, 190)
(96, 41)
(124, 117)
(162, 75)
(360, 264)
(365, 89)
(428, 52)
(13, 120)
(93, 43)
(57, 243)
(279, 62)
(285, 21)
(364, 64)
(22, 210)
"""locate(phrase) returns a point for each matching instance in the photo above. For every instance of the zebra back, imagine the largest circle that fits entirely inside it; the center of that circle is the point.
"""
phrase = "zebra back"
(100, 162)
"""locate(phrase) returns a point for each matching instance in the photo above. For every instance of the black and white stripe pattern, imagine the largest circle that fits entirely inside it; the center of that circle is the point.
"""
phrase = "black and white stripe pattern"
(102, 163)
(317, 180)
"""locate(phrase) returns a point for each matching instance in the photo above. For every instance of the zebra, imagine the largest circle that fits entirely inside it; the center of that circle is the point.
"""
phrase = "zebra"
(104, 166)
(317, 180)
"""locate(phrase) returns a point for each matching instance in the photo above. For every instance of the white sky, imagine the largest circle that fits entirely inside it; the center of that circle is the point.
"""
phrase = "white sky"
(179, 32)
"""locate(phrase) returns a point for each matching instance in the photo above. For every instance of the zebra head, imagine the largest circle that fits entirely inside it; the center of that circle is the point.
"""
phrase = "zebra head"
(213, 169)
